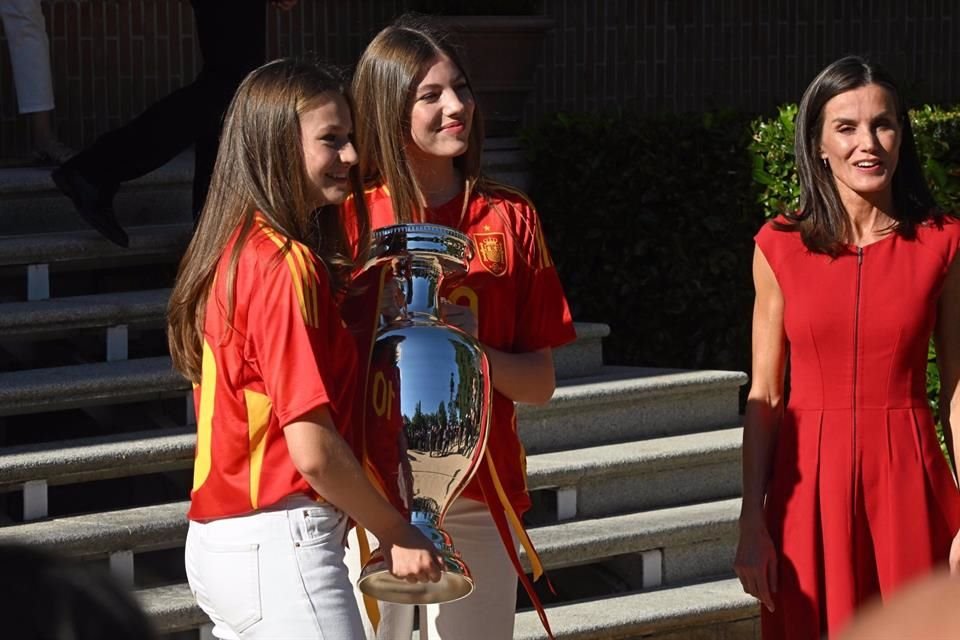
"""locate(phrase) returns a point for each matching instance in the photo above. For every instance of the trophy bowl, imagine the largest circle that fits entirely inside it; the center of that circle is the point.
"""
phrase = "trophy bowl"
(427, 405)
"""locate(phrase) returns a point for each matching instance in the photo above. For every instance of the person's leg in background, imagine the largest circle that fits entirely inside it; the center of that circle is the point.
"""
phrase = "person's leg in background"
(232, 38)
(231, 35)
(487, 613)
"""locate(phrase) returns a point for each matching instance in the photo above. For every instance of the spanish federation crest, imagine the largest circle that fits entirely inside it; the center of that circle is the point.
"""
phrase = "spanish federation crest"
(492, 249)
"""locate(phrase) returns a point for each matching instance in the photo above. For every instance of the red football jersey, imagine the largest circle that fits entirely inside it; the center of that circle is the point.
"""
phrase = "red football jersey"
(514, 291)
(284, 353)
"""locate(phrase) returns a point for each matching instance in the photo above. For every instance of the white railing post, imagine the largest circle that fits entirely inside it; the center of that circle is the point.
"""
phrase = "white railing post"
(38, 282)
(35, 499)
(117, 343)
(652, 568)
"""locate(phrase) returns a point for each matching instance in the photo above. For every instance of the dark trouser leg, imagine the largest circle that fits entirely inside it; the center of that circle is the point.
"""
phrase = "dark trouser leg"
(232, 37)
(232, 41)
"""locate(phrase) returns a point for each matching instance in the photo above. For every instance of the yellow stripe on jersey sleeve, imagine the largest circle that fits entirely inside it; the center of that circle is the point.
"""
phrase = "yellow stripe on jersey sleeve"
(208, 389)
(258, 417)
(304, 285)
(309, 275)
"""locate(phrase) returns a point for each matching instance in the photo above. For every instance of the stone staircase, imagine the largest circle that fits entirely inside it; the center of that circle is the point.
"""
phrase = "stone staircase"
(634, 472)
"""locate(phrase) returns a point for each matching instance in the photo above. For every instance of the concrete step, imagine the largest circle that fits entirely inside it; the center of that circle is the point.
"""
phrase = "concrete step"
(100, 383)
(666, 546)
(31, 203)
(609, 467)
(144, 378)
(98, 458)
(97, 535)
(83, 312)
(640, 475)
(172, 608)
(584, 357)
(589, 482)
(714, 610)
(631, 403)
(586, 483)
(649, 548)
(116, 382)
(147, 242)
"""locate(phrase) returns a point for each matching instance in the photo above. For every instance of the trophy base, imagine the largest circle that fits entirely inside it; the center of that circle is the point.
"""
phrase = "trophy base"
(376, 581)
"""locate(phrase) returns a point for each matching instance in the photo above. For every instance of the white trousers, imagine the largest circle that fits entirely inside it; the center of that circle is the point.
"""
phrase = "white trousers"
(486, 614)
(26, 33)
(277, 573)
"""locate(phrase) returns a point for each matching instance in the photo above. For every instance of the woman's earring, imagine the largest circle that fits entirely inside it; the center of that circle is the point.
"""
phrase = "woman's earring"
(826, 165)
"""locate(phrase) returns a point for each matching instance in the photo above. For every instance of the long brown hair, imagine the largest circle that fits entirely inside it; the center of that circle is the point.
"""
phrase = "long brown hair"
(822, 220)
(259, 169)
(383, 87)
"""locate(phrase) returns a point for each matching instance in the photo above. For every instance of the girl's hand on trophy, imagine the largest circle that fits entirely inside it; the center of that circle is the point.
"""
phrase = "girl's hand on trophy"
(414, 558)
(460, 317)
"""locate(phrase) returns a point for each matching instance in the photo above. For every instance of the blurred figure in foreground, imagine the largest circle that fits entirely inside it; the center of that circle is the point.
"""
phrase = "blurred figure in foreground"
(926, 610)
(46, 597)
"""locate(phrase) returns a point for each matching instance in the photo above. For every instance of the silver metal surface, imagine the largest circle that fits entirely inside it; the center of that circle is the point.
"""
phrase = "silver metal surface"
(428, 401)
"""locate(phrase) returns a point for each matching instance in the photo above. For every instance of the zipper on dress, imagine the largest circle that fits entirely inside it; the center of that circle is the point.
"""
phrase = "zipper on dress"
(856, 367)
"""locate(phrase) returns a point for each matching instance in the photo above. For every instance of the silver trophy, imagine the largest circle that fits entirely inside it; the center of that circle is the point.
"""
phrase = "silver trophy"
(428, 400)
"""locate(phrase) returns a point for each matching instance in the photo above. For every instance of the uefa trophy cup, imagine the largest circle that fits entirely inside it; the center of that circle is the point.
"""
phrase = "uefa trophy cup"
(428, 401)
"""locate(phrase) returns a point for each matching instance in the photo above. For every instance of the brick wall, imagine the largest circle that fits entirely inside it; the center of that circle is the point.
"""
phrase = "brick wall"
(690, 55)
(111, 58)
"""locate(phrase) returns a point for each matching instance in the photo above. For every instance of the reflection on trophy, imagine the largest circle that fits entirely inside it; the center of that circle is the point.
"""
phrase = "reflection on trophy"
(428, 401)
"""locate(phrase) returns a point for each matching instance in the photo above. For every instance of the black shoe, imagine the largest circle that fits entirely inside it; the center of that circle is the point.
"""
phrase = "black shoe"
(93, 205)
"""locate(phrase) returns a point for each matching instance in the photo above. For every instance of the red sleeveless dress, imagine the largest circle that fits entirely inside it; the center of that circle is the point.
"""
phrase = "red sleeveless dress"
(861, 499)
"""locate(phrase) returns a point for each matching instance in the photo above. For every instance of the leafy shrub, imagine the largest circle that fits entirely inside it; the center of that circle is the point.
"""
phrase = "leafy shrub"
(774, 162)
(651, 223)
(937, 133)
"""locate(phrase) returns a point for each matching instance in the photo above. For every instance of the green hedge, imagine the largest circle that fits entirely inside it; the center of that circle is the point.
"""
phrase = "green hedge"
(650, 220)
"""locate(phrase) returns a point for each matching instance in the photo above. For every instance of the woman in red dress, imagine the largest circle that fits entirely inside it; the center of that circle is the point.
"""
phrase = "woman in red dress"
(846, 494)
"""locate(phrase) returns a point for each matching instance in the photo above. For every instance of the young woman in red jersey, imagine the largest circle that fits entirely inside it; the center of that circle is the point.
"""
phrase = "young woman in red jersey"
(253, 324)
(420, 134)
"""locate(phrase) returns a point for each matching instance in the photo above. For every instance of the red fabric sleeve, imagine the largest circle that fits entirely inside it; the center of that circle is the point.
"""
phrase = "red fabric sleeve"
(290, 332)
(766, 240)
(543, 320)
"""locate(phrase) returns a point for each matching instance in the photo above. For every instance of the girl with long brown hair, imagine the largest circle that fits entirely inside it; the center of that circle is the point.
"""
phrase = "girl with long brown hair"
(421, 135)
(253, 324)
